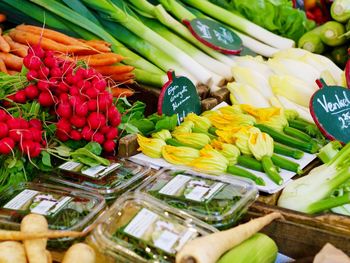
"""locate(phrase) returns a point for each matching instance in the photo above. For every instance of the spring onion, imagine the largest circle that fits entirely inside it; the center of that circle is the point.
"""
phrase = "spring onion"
(332, 32)
(311, 41)
(340, 10)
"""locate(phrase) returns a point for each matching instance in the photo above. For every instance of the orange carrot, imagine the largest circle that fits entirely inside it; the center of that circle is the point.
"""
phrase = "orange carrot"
(97, 46)
(12, 61)
(4, 46)
(3, 66)
(123, 77)
(33, 39)
(2, 17)
(111, 70)
(102, 59)
(121, 92)
(50, 34)
(16, 48)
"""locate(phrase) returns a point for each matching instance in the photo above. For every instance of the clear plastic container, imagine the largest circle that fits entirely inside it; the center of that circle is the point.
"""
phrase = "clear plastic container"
(64, 208)
(138, 228)
(217, 200)
(110, 182)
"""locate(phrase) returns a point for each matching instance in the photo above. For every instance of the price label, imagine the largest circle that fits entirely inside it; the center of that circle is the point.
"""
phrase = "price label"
(178, 96)
(215, 35)
(330, 109)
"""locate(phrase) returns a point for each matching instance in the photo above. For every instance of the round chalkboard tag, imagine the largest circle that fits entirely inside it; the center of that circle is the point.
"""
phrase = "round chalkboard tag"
(215, 35)
(330, 109)
(178, 96)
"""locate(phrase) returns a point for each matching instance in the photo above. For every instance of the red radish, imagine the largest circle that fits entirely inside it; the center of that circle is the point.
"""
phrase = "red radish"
(92, 105)
(64, 110)
(80, 72)
(13, 123)
(34, 150)
(78, 121)
(75, 135)
(35, 123)
(98, 137)
(49, 53)
(69, 78)
(27, 135)
(105, 129)
(50, 62)
(77, 78)
(3, 115)
(31, 91)
(64, 97)
(32, 62)
(92, 93)
(74, 91)
(109, 146)
(89, 73)
(62, 136)
(20, 97)
(55, 72)
(114, 122)
(32, 75)
(96, 120)
(6, 145)
(87, 133)
(81, 109)
(23, 124)
(64, 125)
(100, 84)
(3, 130)
(15, 134)
(46, 99)
(112, 133)
(36, 134)
(43, 85)
(43, 72)
(63, 87)
(37, 50)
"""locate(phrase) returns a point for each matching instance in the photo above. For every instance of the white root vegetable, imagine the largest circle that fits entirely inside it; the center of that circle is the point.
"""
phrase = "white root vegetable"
(80, 253)
(8, 235)
(48, 256)
(208, 249)
(35, 248)
(11, 251)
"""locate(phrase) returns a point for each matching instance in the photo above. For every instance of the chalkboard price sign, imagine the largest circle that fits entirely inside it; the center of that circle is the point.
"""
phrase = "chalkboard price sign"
(330, 109)
(178, 96)
(215, 35)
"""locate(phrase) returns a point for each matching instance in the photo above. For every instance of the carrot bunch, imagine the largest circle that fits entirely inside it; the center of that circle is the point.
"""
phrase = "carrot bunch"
(95, 53)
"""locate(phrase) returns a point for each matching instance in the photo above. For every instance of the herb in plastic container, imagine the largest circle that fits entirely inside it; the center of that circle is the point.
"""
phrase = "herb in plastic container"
(219, 201)
(138, 228)
(109, 181)
(64, 208)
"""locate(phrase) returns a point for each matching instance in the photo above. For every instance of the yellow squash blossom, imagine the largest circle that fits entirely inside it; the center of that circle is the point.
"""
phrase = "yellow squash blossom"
(225, 121)
(242, 137)
(194, 140)
(151, 147)
(200, 122)
(260, 144)
(179, 155)
(210, 161)
(234, 109)
(163, 134)
(184, 127)
(227, 136)
(230, 151)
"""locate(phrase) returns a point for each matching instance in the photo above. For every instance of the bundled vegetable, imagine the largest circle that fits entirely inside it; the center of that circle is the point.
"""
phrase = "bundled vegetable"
(312, 193)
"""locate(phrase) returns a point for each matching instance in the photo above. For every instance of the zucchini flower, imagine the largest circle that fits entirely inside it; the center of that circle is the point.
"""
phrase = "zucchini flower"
(291, 114)
(179, 155)
(228, 120)
(227, 136)
(194, 140)
(234, 109)
(200, 122)
(242, 137)
(163, 135)
(261, 145)
(272, 117)
(210, 161)
(151, 147)
(184, 127)
(230, 151)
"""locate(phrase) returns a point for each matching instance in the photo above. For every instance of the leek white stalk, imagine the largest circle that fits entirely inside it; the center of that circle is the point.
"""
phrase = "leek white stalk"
(241, 24)
(118, 15)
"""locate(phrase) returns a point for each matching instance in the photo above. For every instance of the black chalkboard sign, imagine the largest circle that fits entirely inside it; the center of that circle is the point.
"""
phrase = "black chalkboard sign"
(330, 109)
(178, 96)
(215, 35)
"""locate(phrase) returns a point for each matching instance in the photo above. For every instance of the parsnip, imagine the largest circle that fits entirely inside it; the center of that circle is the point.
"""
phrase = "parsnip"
(208, 249)
(35, 248)
(48, 256)
(8, 235)
(11, 251)
(80, 253)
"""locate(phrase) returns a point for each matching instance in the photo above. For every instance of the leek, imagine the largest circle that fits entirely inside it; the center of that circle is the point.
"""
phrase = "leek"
(241, 24)
(150, 78)
(311, 41)
(340, 10)
(332, 33)
(117, 14)
(311, 193)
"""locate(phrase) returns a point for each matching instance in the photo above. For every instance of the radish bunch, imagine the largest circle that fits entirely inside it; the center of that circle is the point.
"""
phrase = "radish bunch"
(78, 97)
(18, 132)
